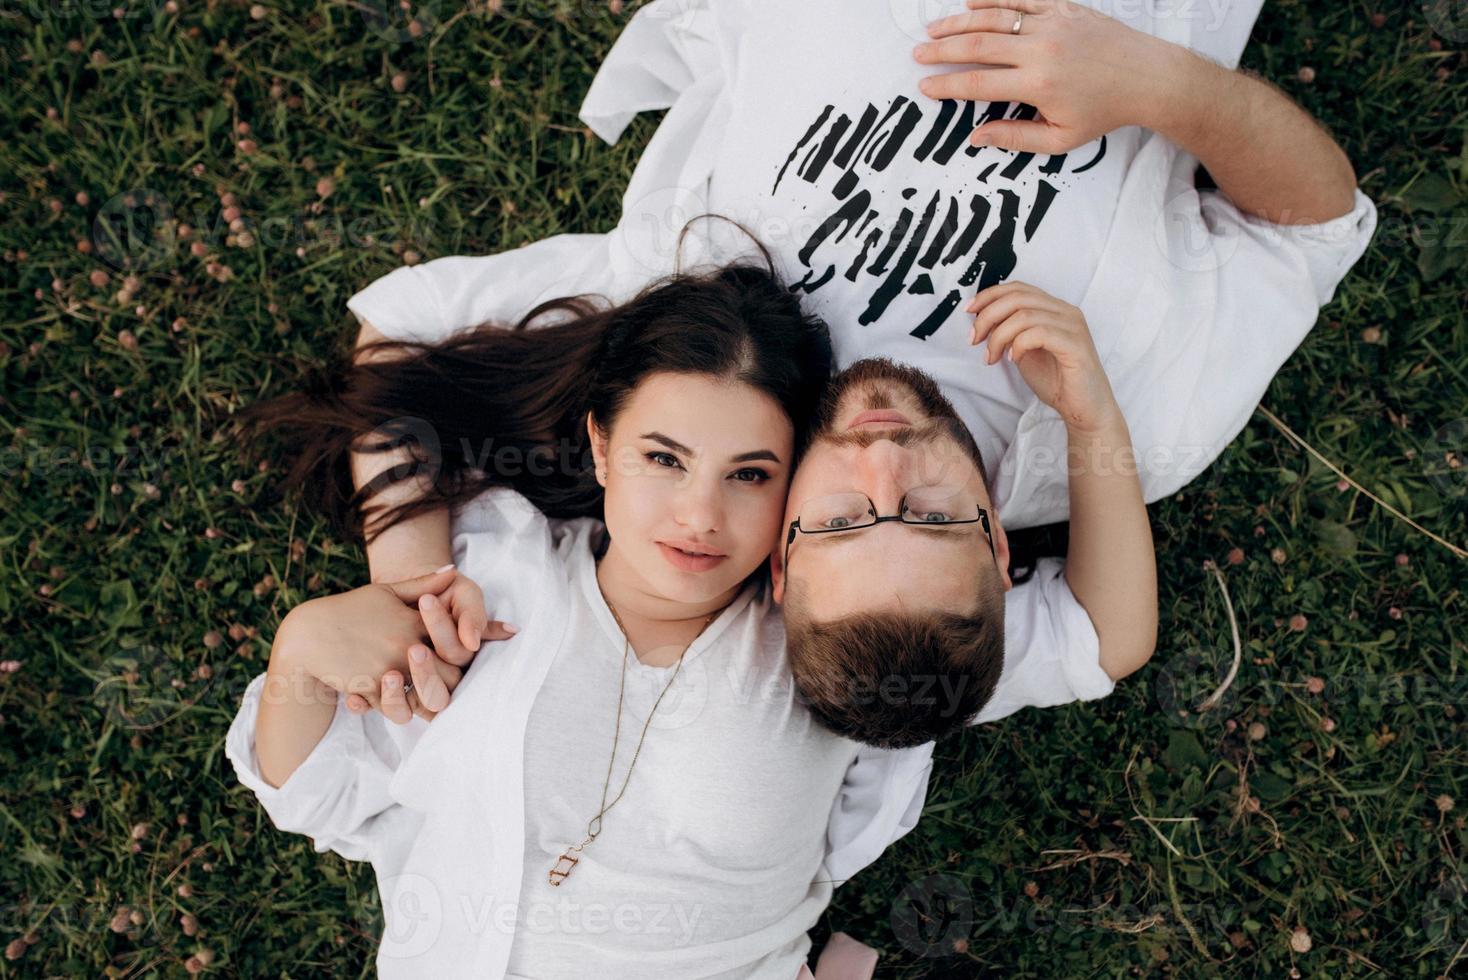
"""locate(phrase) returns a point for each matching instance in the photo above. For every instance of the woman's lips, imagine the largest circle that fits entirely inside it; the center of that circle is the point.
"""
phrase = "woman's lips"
(884, 416)
(685, 562)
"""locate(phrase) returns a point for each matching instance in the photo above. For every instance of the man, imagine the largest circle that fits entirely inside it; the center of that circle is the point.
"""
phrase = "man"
(819, 129)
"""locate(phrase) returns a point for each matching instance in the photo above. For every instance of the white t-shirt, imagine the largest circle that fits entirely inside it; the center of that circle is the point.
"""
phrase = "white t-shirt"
(709, 864)
(882, 216)
(1193, 304)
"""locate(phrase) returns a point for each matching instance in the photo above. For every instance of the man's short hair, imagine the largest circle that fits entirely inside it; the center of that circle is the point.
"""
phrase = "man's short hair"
(897, 679)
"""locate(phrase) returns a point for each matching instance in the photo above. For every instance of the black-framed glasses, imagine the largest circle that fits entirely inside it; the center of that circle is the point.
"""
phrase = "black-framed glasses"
(853, 511)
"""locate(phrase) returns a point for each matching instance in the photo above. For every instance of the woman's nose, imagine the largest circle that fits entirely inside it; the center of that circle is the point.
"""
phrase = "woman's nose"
(699, 508)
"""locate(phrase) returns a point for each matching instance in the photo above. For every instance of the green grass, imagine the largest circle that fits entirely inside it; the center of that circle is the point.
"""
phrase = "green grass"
(1107, 839)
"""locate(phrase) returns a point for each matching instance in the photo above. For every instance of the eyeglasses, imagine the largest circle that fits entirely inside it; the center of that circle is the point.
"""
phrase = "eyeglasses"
(927, 506)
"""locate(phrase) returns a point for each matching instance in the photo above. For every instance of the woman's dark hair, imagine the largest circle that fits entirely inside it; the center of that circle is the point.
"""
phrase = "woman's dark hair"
(506, 405)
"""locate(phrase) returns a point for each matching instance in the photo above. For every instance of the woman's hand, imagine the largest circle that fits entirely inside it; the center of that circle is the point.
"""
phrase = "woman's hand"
(1050, 342)
(430, 693)
(1086, 73)
(349, 640)
(352, 640)
(433, 677)
(456, 622)
(458, 641)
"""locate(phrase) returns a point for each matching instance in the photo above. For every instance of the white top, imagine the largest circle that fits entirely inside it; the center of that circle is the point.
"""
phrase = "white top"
(440, 809)
(709, 864)
(1193, 305)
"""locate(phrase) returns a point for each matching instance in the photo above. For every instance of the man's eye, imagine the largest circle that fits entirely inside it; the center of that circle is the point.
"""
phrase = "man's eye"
(663, 459)
(836, 523)
(934, 517)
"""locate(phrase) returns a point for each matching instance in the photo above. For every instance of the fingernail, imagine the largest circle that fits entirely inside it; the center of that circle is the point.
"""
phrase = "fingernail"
(427, 601)
(418, 654)
(980, 140)
(509, 629)
(444, 568)
(391, 680)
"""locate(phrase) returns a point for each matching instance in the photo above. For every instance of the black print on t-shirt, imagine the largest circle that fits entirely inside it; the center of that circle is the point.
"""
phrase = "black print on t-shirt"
(951, 234)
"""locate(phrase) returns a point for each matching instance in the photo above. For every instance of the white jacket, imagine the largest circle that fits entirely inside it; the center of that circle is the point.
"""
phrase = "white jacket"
(439, 808)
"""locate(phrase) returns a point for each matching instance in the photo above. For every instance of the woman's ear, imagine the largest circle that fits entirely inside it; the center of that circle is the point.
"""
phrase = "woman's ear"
(598, 448)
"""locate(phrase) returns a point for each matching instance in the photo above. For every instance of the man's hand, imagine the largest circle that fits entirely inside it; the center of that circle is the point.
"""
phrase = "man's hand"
(1089, 74)
(1086, 73)
(1050, 342)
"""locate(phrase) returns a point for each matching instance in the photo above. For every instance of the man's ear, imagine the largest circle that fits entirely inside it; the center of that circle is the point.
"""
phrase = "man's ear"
(777, 573)
(598, 448)
(1001, 548)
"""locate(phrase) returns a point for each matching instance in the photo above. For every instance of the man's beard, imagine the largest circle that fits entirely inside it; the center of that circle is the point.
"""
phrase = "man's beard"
(870, 376)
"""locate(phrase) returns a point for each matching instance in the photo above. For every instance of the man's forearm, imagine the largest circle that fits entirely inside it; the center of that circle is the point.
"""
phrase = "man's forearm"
(1111, 564)
(1267, 154)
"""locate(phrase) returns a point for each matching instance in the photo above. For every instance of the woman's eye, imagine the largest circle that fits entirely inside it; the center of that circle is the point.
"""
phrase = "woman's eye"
(751, 476)
(663, 459)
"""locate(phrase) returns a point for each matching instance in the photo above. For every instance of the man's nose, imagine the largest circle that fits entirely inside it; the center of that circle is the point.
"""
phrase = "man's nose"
(882, 470)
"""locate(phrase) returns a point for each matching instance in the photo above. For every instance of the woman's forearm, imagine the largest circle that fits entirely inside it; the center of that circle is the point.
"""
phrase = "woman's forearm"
(296, 710)
(411, 547)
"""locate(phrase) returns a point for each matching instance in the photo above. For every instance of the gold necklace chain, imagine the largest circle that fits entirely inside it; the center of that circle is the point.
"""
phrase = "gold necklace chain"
(568, 860)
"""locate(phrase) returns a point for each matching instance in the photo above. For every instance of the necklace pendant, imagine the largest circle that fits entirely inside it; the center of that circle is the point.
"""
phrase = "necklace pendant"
(563, 868)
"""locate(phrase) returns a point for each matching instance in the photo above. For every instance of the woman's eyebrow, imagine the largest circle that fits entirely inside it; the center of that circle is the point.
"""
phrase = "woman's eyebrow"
(678, 447)
(756, 455)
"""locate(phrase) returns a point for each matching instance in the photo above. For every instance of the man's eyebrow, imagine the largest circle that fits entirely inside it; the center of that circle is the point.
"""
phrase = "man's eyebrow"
(678, 447)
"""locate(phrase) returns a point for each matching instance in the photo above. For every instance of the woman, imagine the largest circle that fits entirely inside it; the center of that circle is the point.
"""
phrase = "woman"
(635, 756)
